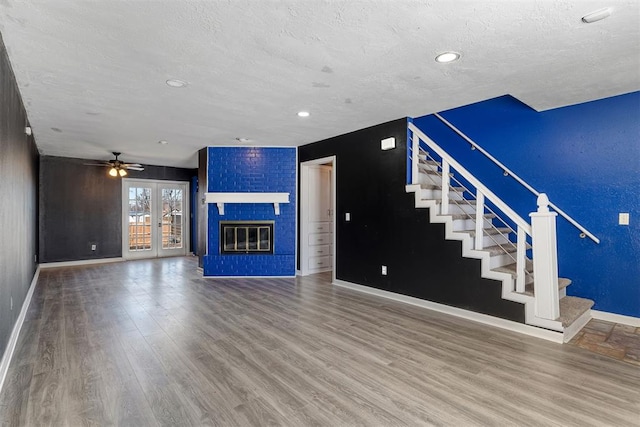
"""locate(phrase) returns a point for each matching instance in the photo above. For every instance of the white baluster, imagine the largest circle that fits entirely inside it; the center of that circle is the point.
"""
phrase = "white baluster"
(479, 219)
(415, 150)
(444, 207)
(521, 260)
(545, 260)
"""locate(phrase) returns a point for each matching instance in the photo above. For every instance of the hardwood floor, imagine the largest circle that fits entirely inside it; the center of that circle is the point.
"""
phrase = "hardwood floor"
(152, 343)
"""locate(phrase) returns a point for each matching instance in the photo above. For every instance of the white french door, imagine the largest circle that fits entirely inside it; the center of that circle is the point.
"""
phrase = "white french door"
(154, 218)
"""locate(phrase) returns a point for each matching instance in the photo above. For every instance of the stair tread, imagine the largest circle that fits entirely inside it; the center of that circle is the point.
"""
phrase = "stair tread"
(437, 187)
(432, 172)
(428, 162)
(471, 216)
(467, 202)
(563, 282)
(571, 308)
(498, 230)
(511, 268)
(500, 249)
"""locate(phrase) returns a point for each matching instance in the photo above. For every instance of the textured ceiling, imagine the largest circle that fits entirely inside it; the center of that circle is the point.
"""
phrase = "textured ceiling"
(92, 73)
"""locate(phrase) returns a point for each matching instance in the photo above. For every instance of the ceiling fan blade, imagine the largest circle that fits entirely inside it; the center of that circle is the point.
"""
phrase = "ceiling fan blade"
(96, 164)
(135, 165)
(134, 168)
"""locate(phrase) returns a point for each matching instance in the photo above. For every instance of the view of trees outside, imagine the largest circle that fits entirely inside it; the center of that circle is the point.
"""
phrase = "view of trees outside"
(172, 216)
(140, 206)
(139, 218)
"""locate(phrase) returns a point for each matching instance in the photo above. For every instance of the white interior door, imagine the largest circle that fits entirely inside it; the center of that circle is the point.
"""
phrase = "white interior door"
(154, 218)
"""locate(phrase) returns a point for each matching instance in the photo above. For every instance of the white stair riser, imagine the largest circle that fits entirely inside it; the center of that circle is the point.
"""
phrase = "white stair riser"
(461, 208)
(493, 240)
(500, 260)
(429, 179)
(426, 166)
(468, 224)
(436, 194)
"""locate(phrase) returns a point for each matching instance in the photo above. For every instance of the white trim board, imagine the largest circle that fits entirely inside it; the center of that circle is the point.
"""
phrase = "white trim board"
(80, 262)
(509, 325)
(616, 318)
(15, 333)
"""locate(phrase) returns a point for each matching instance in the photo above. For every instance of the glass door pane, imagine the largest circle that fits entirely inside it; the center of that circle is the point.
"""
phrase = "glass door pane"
(139, 230)
(172, 218)
(154, 218)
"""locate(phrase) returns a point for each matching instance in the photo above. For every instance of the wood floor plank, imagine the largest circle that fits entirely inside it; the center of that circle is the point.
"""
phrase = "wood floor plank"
(151, 342)
(165, 402)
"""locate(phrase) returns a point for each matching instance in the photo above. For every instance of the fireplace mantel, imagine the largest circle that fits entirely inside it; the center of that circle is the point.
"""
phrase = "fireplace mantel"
(221, 198)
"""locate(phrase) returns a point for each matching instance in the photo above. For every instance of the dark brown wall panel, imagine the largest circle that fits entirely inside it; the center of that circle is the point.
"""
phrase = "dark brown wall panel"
(18, 205)
(387, 229)
(81, 205)
(201, 215)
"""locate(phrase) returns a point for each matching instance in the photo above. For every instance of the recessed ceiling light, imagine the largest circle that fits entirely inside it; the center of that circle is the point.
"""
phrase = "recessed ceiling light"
(176, 83)
(598, 15)
(447, 57)
(303, 114)
(163, 142)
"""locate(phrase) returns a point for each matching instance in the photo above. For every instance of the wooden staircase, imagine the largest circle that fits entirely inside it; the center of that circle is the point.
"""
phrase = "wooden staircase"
(497, 251)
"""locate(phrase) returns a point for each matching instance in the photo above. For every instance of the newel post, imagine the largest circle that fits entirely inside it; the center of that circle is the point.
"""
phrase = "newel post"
(545, 260)
(415, 150)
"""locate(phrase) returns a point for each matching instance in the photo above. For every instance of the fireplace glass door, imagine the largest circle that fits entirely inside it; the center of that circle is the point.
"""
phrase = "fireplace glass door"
(246, 237)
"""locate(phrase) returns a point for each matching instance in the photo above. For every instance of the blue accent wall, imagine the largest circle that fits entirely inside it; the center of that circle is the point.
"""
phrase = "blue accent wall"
(252, 169)
(586, 157)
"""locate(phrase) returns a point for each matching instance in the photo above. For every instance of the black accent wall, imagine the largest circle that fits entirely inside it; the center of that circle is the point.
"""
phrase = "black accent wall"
(81, 205)
(201, 217)
(387, 229)
(18, 206)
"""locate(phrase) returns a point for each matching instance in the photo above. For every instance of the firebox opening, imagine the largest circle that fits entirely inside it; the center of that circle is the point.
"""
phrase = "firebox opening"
(246, 237)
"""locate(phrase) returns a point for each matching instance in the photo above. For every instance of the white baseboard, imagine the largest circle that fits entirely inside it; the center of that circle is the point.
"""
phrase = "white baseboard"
(616, 318)
(15, 333)
(458, 312)
(249, 277)
(80, 262)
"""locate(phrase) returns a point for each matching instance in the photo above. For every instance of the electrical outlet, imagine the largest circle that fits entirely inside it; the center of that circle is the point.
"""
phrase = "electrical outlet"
(623, 218)
(94, 247)
(384, 270)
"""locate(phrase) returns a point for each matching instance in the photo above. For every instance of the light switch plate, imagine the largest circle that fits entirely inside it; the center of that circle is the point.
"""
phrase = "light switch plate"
(384, 270)
(388, 143)
(347, 216)
(623, 218)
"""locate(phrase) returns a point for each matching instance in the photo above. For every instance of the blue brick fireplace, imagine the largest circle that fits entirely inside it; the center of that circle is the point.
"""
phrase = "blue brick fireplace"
(252, 170)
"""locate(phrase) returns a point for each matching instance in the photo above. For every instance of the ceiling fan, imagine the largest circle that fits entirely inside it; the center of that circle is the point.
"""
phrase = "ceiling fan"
(118, 167)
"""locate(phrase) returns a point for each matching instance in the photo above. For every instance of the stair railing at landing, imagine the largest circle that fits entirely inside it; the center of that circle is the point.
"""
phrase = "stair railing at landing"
(541, 231)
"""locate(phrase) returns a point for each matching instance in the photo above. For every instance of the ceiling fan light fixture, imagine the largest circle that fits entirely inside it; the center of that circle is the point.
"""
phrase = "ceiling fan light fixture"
(113, 172)
(447, 57)
(122, 172)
